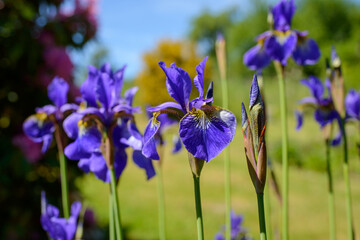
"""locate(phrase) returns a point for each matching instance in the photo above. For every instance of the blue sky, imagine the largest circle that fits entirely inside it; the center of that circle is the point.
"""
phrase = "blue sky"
(128, 28)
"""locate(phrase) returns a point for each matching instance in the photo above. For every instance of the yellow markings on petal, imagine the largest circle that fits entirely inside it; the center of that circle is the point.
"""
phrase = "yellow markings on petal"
(201, 118)
(281, 37)
(41, 116)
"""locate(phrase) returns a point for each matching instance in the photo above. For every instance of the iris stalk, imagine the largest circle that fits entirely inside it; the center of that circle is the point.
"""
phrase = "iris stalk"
(161, 198)
(330, 192)
(347, 184)
(63, 173)
(199, 218)
(221, 58)
(111, 220)
(284, 137)
(262, 224)
(268, 211)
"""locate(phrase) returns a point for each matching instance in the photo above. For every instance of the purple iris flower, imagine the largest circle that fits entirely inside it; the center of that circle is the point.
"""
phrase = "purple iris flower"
(238, 232)
(325, 111)
(352, 104)
(104, 113)
(282, 41)
(40, 126)
(204, 129)
(59, 228)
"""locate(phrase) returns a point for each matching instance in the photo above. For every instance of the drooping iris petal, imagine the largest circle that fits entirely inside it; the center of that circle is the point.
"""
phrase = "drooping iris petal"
(282, 13)
(88, 87)
(299, 119)
(57, 91)
(307, 52)
(69, 107)
(337, 140)
(38, 127)
(203, 133)
(120, 161)
(164, 106)
(149, 148)
(280, 45)
(47, 140)
(88, 140)
(103, 90)
(177, 145)
(309, 101)
(178, 84)
(199, 78)
(84, 165)
(144, 163)
(315, 86)
(98, 166)
(352, 103)
(324, 117)
(256, 58)
(70, 125)
(47, 109)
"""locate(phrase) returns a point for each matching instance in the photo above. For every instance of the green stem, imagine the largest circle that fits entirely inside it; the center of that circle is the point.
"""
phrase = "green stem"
(199, 218)
(330, 193)
(63, 172)
(285, 165)
(161, 202)
(262, 224)
(115, 204)
(268, 211)
(111, 220)
(224, 91)
(347, 184)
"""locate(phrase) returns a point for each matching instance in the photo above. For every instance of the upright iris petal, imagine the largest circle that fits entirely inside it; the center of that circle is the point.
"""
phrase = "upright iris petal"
(178, 84)
(199, 78)
(283, 13)
(57, 91)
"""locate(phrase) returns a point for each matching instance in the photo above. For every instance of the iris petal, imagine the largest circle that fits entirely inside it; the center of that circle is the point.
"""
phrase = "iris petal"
(88, 87)
(57, 91)
(306, 52)
(164, 106)
(256, 58)
(149, 148)
(129, 95)
(177, 145)
(299, 119)
(199, 78)
(280, 45)
(282, 13)
(144, 163)
(352, 103)
(205, 133)
(315, 86)
(103, 90)
(178, 84)
(70, 125)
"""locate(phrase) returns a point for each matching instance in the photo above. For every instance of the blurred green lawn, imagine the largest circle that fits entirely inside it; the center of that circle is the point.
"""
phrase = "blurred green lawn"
(308, 183)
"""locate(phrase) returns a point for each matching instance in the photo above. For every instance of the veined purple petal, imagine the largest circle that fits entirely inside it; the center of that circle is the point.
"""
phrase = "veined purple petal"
(129, 95)
(106, 68)
(210, 92)
(149, 148)
(299, 119)
(88, 140)
(177, 145)
(280, 45)
(282, 13)
(103, 90)
(145, 163)
(57, 91)
(352, 103)
(256, 58)
(306, 52)
(315, 86)
(178, 84)
(199, 78)
(88, 87)
(205, 132)
(164, 106)
(255, 95)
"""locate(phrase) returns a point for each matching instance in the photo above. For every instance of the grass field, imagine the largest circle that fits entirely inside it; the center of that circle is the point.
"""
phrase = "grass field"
(308, 183)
